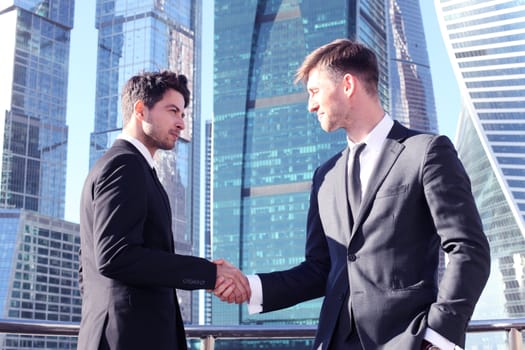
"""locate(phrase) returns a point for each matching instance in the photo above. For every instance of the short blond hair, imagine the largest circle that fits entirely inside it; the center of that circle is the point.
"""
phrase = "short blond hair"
(343, 56)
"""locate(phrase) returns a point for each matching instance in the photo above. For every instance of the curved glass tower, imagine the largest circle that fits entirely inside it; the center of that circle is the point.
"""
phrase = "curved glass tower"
(412, 95)
(486, 43)
(266, 145)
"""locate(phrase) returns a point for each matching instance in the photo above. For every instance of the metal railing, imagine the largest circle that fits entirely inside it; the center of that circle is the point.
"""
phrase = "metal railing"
(208, 334)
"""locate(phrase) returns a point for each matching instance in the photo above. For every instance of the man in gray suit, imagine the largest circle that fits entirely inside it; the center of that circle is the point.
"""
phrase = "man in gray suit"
(376, 224)
(128, 266)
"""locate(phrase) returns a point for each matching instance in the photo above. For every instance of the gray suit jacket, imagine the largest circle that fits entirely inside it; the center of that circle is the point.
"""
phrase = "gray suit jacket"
(129, 270)
(418, 201)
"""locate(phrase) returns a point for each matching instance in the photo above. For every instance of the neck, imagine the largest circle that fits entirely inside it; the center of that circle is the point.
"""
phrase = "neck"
(364, 123)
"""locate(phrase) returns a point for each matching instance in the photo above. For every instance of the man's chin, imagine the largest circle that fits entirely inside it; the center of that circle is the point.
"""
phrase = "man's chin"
(327, 128)
(167, 146)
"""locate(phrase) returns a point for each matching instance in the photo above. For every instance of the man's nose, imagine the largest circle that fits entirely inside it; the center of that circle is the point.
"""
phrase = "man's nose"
(180, 124)
(312, 105)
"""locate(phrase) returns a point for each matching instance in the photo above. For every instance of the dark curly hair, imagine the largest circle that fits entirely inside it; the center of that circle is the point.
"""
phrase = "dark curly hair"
(150, 87)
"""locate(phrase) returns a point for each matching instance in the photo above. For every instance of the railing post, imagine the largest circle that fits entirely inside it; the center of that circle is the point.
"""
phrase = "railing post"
(208, 343)
(515, 340)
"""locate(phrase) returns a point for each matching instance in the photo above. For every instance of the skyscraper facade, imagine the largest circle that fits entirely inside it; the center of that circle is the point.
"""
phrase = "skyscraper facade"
(136, 36)
(33, 95)
(38, 275)
(265, 144)
(411, 93)
(485, 40)
(38, 250)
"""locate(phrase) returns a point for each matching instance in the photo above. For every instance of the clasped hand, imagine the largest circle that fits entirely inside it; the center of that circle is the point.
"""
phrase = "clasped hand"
(232, 285)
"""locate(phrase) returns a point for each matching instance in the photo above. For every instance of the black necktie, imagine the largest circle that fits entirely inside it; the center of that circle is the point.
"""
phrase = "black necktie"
(354, 179)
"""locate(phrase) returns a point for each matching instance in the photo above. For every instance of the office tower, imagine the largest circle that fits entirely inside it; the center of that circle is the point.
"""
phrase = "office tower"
(33, 95)
(136, 36)
(38, 250)
(412, 95)
(266, 145)
(38, 275)
(485, 40)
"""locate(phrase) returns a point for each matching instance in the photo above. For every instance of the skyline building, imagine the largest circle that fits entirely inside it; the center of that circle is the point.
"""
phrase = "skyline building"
(33, 98)
(38, 249)
(136, 36)
(38, 275)
(411, 94)
(266, 145)
(485, 41)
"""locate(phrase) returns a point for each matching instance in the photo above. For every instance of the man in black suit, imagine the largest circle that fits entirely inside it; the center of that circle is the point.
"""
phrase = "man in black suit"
(374, 234)
(128, 267)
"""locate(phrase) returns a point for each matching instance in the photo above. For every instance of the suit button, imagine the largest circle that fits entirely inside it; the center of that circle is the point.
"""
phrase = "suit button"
(351, 257)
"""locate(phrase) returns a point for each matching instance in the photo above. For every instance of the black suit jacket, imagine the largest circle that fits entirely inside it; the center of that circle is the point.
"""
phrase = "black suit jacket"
(128, 268)
(418, 200)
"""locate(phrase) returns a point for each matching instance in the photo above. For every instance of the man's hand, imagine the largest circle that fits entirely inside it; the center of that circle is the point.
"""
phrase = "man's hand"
(232, 285)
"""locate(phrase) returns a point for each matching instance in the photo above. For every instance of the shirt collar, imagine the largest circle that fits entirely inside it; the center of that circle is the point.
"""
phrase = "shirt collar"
(375, 139)
(139, 146)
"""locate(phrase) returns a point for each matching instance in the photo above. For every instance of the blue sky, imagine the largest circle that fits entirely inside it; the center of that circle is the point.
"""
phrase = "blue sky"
(82, 79)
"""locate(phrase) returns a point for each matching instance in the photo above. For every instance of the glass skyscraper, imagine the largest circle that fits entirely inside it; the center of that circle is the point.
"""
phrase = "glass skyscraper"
(136, 36)
(486, 45)
(412, 95)
(38, 275)
(38, 250)
(33, 95)
(265, 143)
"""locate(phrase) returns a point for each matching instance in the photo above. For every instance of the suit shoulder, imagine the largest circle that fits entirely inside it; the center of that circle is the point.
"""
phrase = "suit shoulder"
(427, 140)
(119, 156)
(329, 164)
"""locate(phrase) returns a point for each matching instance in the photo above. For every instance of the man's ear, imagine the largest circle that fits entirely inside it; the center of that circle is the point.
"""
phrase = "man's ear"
(138, 109)
(349, 83)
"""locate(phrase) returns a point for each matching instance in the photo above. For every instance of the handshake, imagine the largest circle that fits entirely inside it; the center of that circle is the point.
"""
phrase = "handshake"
(232, 285)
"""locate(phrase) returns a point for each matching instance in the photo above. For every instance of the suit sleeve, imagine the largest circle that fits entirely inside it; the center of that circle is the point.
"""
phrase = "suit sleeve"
(457, 221)
(307, 280)
(120, 200)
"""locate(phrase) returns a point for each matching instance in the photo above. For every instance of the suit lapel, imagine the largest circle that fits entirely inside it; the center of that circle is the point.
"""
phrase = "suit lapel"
(341, 198)
(162, 190)
(392, 148)
(166, 201)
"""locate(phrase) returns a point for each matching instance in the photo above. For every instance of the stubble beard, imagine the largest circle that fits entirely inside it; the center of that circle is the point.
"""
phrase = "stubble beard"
(159, 144)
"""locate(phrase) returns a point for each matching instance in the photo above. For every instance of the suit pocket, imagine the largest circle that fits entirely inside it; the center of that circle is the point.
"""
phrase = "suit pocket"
(392, 191)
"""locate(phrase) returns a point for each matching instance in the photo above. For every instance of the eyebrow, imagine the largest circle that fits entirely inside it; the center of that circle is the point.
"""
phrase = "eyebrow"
(312, 88)
(172, 105)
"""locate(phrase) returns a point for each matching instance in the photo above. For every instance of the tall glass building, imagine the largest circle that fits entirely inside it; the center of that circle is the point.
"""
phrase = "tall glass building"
(486, 44)
(33, 98)
(136, 36)
(412, 95)
(265, 143)
(38, 250)
(38, 275)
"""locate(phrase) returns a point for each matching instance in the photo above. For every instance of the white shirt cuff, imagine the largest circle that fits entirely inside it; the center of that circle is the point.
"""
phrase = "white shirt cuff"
(440, 341)
(256, 300)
